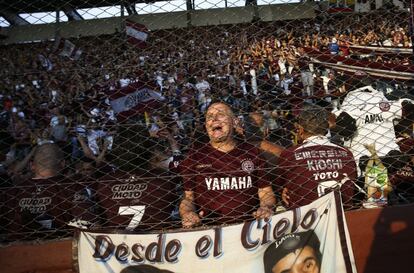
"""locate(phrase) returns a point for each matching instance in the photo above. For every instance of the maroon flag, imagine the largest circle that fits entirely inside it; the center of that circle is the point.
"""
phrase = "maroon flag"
(137, 34)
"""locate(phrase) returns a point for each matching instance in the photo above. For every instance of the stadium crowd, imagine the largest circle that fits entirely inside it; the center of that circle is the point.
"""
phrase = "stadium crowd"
(58, 125)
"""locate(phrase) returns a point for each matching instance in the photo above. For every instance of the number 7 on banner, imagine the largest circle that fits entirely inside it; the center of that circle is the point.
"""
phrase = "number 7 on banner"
(137, 211)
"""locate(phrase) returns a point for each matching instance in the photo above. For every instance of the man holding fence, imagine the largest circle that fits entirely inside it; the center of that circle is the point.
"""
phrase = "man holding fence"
(224, 181)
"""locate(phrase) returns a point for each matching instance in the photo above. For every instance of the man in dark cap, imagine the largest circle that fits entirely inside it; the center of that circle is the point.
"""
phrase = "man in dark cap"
(294, 253)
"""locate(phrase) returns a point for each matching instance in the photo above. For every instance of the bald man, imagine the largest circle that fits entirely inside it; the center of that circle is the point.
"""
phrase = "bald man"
(224, 181)
(47, 161)
(40, 205)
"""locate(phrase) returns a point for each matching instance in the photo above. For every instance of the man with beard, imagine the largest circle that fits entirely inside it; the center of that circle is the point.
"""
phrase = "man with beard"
(224, 181)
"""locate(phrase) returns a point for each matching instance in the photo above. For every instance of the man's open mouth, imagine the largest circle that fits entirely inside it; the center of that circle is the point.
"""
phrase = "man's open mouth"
(217, 128)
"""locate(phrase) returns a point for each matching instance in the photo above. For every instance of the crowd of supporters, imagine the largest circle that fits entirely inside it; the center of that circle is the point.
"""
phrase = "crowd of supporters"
(261, 70)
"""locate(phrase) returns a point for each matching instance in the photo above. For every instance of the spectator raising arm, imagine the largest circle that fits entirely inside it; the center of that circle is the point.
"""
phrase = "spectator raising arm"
(88, 152)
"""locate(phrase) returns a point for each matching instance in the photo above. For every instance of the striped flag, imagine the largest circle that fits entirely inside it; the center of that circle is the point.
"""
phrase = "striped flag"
(137, 34)
(136, 98)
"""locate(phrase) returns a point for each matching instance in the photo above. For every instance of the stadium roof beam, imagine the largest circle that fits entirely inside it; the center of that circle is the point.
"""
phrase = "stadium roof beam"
(251, 3)
(13, 18)
(171, 20)
(130, 8)
(72, 14)
(190, 5)
(34, 6)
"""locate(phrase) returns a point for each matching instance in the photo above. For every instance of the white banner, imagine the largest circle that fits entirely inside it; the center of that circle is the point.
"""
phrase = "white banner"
(68, 49)
(313, 238)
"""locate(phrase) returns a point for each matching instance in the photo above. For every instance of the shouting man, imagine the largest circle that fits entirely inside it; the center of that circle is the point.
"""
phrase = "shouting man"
(224, 180)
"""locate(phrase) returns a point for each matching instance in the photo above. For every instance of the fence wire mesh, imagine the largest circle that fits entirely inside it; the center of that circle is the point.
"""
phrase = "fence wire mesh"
(149, 115)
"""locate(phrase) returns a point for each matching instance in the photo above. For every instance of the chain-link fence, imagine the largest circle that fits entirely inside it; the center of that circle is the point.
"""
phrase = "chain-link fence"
(148, 115)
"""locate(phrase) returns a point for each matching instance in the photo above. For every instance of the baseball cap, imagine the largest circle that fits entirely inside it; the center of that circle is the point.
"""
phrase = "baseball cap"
(288, 244)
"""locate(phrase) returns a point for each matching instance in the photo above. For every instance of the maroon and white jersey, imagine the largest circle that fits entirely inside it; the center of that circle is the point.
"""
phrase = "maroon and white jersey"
(225, 185)
(137, 202)
(313, 168)
(374, 115)
(40, 205)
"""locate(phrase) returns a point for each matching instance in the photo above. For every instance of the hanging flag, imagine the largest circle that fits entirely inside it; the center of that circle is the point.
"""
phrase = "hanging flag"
(137, 34)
